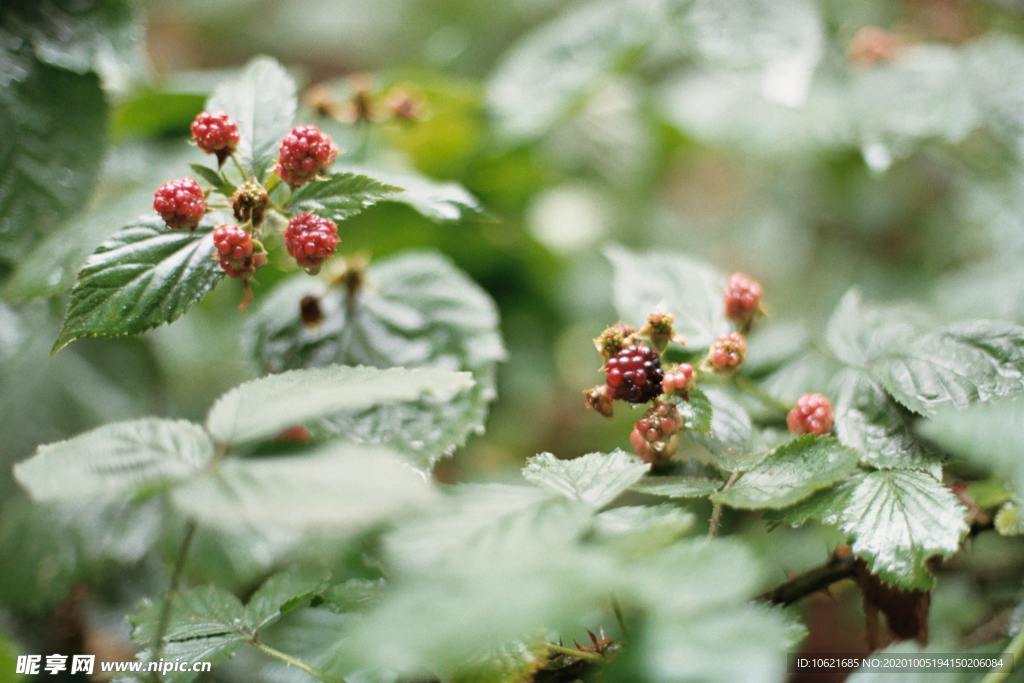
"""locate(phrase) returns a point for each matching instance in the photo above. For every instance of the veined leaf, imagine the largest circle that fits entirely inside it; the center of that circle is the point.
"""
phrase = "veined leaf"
(677, 487)
(444, 202)
(595, 479)
(791, 473)
(340, 195)
(729, 442)
(266, 406)
(143, 276)
(858, 332)
(638, 531)
(672, 283)
(343, 486)
(118, 459)
(261, 99)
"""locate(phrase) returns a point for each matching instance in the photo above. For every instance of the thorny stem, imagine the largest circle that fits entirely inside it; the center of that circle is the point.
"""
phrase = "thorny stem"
(292, 661)
(165, 608)
(1015, 651)
(810, 581)
(716, 511)
(573, 652)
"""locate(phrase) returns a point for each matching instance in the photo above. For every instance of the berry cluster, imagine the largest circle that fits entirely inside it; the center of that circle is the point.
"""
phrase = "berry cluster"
(304, 153)
(637, 371)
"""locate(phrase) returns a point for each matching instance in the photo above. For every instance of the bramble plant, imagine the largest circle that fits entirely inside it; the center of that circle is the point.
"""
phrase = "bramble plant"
(815, 451)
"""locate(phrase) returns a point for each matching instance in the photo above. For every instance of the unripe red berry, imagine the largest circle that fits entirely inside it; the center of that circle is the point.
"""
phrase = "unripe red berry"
(660, 329)
(655, 435)
(812, 414)
(680, 379)
(181, 203)
(303, 153)
(310, 239)
(634, 374)
(742, 297)
(249, 202)
(215, 133)
(728, 352)
(236, 251)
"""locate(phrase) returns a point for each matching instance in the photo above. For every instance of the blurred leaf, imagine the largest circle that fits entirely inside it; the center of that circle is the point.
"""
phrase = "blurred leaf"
(116, 460)
(988, 60)
(340, 195)
(637, 531)
(672, 283)
(791, 473)
(731, 432)
(154, 113)
(143, 276)
(264, 407)
(414, 310)
(987, 435)
(897, 520)
(261, 99)
(342, 486)
(444, 202)
(283, 592)
(868, 421)
(595, 479)
(677, 486)
(515, 662)
(1009, 521)
(50, 165)
(858, 333)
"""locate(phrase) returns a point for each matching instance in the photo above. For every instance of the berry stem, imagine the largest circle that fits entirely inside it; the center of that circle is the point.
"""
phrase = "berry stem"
(293, 661)
(238, 165)
(573, 652)
(716, 511)
(172, 590)
(1015, 652)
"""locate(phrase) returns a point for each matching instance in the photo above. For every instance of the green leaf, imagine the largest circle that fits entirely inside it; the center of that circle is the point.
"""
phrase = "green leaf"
(637, 531)
(987, 435)
(868, 421)
(264, 407)
(213, 179)
(50, 165)
(791, 473)
(261, 99)
(672, 283)
(958, 364)
(283, 592)
(342, 486)
(205, 625)
(697, 412)
(897, 520)
(677, 486)
(143, 276)
(595, 479)
(444, 202)
(340, 195)
(118, 459)
(859, 333)
(1009, 521)
(414, 310)
(729, 442)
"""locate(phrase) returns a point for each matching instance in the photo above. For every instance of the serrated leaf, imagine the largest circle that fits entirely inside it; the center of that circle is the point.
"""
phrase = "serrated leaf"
(868, 421)
(791, 473)
(897, 520)
(958, 364)
(986, 435)
(729, 442)
(677, 486)
(264, 407)
(50, 165)
(281, 593)
(415, 310)
(672, 283)
(261, 99)
(340, 195)
(143, 276)
(858, 333)
(595, 479)
(213, 179)
(118, 459)
(343, 486)
(697, 411)
(444, 202)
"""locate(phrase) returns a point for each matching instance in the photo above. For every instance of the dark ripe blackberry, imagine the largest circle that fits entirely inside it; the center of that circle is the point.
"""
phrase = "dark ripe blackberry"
(634, 374)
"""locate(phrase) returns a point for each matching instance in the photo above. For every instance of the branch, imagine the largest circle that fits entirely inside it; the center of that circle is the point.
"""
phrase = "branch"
(810, 581)
(716, 510)
(165, 608)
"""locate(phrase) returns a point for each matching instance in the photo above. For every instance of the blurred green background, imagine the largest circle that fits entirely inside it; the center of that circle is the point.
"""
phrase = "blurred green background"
(791, 144)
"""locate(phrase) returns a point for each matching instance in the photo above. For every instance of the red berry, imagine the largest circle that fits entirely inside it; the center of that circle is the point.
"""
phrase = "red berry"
(728, 352)
(742, 297)
(812, 414)
(181, 203)
(634, 374)
(215, 133)
(679, 380)
(310, 239)
(655, 435)
(304, 152)
(236, 251)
